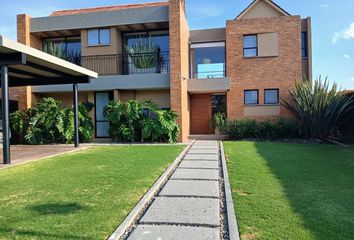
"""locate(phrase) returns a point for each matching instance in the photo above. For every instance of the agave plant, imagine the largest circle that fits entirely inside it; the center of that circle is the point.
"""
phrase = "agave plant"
(144, 53)
(55, 50)
(317, 108)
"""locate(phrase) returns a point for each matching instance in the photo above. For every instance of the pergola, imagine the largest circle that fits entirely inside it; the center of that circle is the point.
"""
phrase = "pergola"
(25, 66)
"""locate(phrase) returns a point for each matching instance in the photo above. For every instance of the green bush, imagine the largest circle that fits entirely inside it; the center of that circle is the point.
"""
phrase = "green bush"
(47, 122)
(318, 108)
(270, 130)
(128, 123)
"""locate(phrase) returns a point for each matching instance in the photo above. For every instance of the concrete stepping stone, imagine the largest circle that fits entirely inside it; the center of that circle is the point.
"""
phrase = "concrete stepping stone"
(199, 164)
(191, 188)
(205, 174)
(164, 232)
(204, 148)
(183, 211)
(203, 151)
(214, 157)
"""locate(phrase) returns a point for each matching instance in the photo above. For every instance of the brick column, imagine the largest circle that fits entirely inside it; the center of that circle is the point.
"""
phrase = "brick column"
(24, 37)
(179, 62)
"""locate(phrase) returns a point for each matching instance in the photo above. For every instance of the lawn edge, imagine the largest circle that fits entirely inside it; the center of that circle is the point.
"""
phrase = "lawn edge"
(43, 158)
(134, 214)
(230, 209)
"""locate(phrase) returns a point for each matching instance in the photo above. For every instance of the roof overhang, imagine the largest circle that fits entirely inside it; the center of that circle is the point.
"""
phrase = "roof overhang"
(28, 66)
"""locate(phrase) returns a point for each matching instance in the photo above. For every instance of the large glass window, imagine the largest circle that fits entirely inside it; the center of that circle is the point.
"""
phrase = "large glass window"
(208, 60)
(251, 97)
(304, 44)
(271, 96)
(158, 38)
(65, 48)
(96, 37)
(250, 46)
(146, 52)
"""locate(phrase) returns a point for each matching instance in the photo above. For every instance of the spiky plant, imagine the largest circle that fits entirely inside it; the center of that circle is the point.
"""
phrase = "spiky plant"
(144, 53)
(317, 107)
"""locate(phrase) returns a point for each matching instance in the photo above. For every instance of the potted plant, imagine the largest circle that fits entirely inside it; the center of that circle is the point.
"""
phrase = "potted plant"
(218, 122)
(144, 56)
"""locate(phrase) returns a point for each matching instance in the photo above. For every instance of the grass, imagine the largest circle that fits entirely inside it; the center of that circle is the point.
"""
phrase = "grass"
(83, 195)
(292, 191)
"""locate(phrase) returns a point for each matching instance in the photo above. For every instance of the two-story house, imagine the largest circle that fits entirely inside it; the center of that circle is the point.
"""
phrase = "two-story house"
(147, 52)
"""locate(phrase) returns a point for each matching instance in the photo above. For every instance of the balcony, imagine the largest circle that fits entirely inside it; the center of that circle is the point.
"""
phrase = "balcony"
(209, 82)
(128, 64)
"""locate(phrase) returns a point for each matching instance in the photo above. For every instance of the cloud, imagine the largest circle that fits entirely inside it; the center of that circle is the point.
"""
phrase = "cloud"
(346, 56)
(346, 34)
(352, 79)
(324, 6)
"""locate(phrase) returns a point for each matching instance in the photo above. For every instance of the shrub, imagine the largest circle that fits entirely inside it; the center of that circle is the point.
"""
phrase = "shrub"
(48, 122)
(129, 123)
(318, 108)
(249, 128)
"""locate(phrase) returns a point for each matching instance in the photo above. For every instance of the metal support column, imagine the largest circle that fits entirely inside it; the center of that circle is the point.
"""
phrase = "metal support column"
(5, 114)
(76, 114)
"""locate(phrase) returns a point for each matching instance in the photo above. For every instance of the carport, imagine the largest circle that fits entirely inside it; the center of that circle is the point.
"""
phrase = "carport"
(25, 66)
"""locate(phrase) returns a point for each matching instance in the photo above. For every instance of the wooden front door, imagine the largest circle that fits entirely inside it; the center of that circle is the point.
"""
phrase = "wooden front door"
(201, 112)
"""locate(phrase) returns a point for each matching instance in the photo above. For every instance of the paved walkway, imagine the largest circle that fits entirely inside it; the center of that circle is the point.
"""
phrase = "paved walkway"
(26, 153)
(188, 206)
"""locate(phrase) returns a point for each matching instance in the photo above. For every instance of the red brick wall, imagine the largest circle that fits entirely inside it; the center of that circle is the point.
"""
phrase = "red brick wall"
(266, 72)
(179, 59)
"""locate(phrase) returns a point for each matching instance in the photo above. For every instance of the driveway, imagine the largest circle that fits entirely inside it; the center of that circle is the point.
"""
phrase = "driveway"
(26, 153)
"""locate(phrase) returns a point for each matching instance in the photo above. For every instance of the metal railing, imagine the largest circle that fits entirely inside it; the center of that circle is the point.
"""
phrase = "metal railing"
(128, 64)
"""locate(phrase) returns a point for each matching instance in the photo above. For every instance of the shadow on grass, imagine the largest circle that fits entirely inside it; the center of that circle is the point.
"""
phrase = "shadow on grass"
(318, 181)
(56, 208)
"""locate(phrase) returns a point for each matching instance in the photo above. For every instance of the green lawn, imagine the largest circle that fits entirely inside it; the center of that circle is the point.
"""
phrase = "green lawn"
(292, 191)
(83, 195)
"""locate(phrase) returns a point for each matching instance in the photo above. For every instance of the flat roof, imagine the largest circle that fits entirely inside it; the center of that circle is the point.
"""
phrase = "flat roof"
(39, 68)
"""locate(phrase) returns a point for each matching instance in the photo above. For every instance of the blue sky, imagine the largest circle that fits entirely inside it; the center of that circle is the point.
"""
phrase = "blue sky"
(332, 22)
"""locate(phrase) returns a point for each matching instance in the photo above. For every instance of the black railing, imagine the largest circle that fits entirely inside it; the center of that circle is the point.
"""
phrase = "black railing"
(128, 64)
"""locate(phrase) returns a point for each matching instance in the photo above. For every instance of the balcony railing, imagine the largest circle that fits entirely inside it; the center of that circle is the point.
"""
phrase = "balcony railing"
(128, 64)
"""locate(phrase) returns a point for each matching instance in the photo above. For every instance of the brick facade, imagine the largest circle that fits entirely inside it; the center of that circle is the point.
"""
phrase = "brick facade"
(262, 72)
(179, 62)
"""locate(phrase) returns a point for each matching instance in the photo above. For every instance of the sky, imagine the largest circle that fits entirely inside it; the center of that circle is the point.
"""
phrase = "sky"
(332, 25)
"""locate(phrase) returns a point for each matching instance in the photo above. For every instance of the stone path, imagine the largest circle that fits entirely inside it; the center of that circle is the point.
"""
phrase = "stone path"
(188, 206)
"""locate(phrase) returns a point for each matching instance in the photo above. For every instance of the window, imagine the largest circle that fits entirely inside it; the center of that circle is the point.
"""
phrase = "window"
(207, 60)
(218, 104)
(67, 48)
(271, 96)
(96, 37)
(251, 97)
(250, 46)
(304, 44)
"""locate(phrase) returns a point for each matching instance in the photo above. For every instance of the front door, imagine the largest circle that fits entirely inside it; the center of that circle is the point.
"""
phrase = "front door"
(201, 113)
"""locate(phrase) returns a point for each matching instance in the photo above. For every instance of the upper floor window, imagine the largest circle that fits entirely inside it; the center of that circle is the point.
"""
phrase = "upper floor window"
(97, 37)
(271, 96)
(66, 48)
(251, 97)
(304, 44)
(250, 45)
(207, 60)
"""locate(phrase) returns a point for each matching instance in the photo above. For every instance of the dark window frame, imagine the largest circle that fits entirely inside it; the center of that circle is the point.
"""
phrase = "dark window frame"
(250, 90)
(99, 37)
(304, 44)
(250, 48)
(111, 98)
(271, 89)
